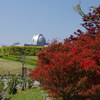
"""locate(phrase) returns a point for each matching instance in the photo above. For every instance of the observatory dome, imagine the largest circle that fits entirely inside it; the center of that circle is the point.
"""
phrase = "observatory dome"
(38, 40)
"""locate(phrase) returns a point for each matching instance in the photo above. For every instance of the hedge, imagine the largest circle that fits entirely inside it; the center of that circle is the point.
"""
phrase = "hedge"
(16, 50)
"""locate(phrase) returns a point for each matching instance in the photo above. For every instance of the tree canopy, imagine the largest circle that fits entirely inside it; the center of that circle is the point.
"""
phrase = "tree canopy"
(70, 70)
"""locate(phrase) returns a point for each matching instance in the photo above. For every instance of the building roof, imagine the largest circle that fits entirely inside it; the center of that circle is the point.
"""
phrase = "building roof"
(38, 40)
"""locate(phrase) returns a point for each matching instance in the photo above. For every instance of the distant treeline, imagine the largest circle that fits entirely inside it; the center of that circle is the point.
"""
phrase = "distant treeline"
(23, 50)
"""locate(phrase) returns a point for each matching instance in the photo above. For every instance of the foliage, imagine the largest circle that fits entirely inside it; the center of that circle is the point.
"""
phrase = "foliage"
(30, 83)
(1, 85)
(16, 50)
(92, 20)
(78, 9)
(28, 59)
(12, 85)
(12, 57)
(70, 70)
(1, 88)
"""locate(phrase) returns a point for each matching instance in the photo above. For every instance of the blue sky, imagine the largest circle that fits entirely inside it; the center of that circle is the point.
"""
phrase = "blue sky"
(55, 19)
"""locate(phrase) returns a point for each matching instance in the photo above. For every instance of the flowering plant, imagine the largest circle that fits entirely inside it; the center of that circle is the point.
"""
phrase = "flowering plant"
(71, 69)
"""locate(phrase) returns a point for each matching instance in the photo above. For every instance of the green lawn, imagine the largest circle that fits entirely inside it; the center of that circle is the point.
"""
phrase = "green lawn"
(15, 67)
(12, 66)
(33, 94)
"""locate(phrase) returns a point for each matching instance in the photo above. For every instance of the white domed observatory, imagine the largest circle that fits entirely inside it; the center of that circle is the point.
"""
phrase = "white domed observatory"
(37, 40)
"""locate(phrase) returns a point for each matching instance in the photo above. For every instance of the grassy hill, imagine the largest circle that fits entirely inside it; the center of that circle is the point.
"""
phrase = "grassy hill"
(12, 66)
(34, 94)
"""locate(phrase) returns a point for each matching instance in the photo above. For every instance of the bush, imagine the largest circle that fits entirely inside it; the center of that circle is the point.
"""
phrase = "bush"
(12, 57)
(16, 50)
(70, 70)
(1, 85)
(28, 60)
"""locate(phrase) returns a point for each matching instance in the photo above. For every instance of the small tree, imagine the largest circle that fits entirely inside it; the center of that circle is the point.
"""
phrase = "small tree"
(70, 70)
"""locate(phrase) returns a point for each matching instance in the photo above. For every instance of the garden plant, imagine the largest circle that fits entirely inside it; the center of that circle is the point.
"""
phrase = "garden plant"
(70, 70)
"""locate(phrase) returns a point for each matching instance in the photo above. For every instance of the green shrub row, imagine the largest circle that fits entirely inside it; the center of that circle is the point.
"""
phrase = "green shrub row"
(16, 50)
(28, 60)
(11, 57)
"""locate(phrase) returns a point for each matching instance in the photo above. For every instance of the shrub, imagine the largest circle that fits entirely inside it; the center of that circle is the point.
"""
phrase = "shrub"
(12, 85)
(70, 70)
(16, 50)
(12, 57)
(1, 85)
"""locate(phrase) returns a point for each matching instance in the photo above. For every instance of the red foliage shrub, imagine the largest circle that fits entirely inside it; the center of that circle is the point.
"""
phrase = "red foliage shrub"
(70, 70)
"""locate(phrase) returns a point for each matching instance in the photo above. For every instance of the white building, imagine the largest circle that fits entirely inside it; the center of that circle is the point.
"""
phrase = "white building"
(37, 40)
